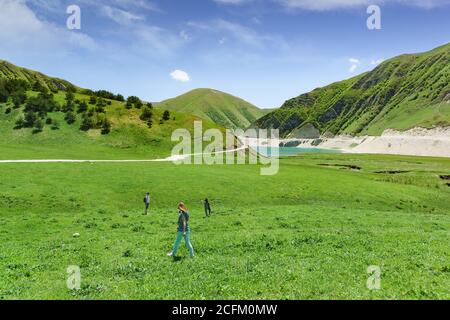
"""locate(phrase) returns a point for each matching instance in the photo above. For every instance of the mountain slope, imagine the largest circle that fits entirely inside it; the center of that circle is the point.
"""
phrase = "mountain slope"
(401, 93)
(129, 136)
(216, 106)
(11, 71)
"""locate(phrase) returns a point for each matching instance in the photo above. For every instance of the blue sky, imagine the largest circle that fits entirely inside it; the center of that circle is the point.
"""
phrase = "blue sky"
(265, 51)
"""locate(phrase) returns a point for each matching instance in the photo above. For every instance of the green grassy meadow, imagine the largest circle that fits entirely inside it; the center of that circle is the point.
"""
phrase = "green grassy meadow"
(309, 232)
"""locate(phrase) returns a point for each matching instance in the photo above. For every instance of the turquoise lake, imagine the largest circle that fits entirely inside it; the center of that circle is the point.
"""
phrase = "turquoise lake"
(293, 151)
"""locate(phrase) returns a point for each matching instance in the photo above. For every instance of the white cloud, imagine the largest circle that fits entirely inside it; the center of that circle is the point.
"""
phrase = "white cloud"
(21, 29)
(185, 35)
(235, 31)
(322, 5)
(354, 64)
(120, 16)
(232, 2)
(376, 62)
(180, 75)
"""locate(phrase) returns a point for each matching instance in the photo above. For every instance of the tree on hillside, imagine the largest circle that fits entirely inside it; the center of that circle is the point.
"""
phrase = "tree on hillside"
(146, 114)
(138, 105)
(38, 126)
(37, 86)
(166, 115)
(106, 126)
(70, 117)
(93, 100)
(30, 119)
(120, 98)
(86, 122)
(20, 123)
(149, 105)
(18, 98)
(3, 96)
(70, 96)
(3, 93)
(82, 107)
(133, 100)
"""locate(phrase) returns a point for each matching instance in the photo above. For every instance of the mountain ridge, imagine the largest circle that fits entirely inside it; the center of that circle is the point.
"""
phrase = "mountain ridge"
(215, 105)
(410, 85)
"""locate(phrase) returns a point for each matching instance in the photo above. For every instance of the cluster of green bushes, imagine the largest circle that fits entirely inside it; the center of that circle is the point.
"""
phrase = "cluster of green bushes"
(103, 94)
(133, 101)
(37, 108)
(147, 115)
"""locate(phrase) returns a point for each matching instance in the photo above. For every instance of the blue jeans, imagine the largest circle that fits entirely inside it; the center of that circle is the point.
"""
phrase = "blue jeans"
(187, 241)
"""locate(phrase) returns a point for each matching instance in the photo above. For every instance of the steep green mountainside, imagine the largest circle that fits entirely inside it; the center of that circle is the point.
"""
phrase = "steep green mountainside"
(10, 71)
(401, 93)
(216, 106)
(74, 123)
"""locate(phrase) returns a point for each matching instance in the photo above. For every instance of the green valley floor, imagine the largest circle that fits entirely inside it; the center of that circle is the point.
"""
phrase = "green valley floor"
(309, 232)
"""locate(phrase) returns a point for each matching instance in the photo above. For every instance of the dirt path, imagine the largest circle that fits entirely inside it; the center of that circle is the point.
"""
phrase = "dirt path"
(168, 159)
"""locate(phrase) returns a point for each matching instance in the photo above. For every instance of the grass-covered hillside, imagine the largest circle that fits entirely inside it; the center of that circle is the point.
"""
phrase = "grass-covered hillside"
(401, 93)
(47, 118)
(33, 78)
(217, 106)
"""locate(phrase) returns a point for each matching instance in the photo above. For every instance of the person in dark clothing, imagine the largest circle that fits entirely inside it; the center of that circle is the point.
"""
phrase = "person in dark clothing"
(147, 202)
(207, 207)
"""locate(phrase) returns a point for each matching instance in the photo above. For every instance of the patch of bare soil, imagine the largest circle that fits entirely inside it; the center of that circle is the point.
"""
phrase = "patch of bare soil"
(341, 166)
(392, 171)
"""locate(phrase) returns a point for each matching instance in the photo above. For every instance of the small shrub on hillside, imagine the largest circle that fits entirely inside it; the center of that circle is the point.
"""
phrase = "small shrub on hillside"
(146, 114)
(106, 126)
(93, 100)
(18, 98)
(166, 115)
(82, 107)
(100, 109)
(8, 111)
(38, 126)
(55, 125)
(20, 123)
(70, 117)
(86, 122)
(48, 121)
(68, 107)
(3, 96)
(30, 119)
(70, 97)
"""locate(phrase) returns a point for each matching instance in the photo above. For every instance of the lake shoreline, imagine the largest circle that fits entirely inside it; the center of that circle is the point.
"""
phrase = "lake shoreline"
(414, 142)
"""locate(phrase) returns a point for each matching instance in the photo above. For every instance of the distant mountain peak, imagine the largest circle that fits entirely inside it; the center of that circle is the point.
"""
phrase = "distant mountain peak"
(215, 105)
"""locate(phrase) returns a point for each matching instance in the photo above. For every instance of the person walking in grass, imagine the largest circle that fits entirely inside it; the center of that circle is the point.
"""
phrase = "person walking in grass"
(183, 231)
(147, 202)
(207, 208)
